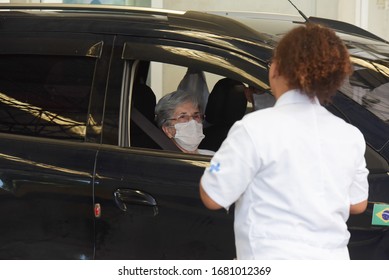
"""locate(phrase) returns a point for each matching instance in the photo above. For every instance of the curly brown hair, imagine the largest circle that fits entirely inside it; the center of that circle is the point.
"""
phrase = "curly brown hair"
(314, 60)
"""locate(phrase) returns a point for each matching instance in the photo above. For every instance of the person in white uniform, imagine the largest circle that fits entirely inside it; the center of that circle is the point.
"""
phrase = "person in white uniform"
(294, 171)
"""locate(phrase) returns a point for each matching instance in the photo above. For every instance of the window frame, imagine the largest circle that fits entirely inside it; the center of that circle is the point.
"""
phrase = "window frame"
(176, 53)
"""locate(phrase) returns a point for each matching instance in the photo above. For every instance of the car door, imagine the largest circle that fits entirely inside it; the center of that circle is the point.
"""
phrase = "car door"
(46, 165)
(151, 209)
(46, 199)
(149, 198)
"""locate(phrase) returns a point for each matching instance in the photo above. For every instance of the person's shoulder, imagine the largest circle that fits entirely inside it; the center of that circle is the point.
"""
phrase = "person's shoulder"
(259, 114)
(346, 128)
(341, 122)
(262, 118)
(355, 131)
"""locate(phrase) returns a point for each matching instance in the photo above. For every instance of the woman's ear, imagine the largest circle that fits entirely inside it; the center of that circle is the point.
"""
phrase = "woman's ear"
(169, 131)
(273, 71)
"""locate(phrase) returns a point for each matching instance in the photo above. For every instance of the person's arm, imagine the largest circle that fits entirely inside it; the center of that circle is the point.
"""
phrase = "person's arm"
(208, 202)
(358, 208)
(359, 189)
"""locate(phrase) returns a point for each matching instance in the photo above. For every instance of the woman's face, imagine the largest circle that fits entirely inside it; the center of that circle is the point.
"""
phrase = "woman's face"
(271, 67)
(278, 84)
(183, 113)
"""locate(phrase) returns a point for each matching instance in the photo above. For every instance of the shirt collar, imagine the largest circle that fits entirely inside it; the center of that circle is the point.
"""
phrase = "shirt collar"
(295, 96)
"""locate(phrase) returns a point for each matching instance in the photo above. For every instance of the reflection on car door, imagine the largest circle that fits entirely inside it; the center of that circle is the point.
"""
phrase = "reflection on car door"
(151, 208)
(46, 201)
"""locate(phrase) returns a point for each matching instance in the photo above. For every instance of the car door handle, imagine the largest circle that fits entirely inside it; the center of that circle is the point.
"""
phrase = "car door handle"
(134, 197)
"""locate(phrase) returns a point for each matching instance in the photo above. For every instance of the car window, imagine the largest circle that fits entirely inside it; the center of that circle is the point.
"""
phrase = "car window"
(45, 96)
(163, 78)
(197, 56)
(369, 86)
(163, 66)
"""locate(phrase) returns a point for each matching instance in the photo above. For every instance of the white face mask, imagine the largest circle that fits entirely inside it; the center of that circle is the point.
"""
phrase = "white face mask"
(189, 135)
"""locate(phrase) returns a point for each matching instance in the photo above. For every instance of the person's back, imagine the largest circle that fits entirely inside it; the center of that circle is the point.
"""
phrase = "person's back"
(300, 190)
(294, 171)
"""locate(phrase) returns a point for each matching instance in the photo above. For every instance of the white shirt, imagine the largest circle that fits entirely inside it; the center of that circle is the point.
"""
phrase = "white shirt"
(293, 171)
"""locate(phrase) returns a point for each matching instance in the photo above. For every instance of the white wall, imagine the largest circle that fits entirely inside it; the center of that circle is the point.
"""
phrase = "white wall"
(242, 5)
(378, 18)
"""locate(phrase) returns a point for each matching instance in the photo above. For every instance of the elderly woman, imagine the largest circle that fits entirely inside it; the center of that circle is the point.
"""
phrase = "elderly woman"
(179, 115)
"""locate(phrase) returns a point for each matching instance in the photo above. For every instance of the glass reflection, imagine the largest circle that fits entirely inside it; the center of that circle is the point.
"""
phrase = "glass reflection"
(74, 127)
(43, 165)
(218, 60)
(369, 86)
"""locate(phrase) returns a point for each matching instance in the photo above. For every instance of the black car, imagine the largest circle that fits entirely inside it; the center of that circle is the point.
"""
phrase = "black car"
(84, 171)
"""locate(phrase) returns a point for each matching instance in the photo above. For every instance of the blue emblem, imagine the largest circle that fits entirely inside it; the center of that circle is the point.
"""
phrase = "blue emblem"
(385, 215)
(214, 167)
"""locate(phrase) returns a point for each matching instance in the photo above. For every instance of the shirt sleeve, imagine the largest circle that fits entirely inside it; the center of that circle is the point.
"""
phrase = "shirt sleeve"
(232, 167)
(359, 189)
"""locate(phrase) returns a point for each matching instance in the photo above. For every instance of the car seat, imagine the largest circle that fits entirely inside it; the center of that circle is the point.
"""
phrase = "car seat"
(144, 101)
(227, 103)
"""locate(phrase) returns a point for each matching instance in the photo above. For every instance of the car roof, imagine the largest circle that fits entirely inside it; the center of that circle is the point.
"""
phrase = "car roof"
(360, 42)
(167, 19)
(190, 26)
(275, 24)
(254, 26)
(253, 33)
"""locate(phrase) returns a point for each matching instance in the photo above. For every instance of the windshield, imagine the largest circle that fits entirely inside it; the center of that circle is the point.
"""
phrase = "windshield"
(369, 84)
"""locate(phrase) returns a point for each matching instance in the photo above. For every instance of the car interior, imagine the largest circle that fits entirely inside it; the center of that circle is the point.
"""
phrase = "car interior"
(225, 104)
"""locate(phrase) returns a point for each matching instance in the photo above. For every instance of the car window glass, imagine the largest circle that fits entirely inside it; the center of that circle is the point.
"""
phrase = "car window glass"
(369, 86)
(45, 96)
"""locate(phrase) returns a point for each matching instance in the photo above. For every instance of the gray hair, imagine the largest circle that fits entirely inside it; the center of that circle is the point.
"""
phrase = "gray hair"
(168, 104)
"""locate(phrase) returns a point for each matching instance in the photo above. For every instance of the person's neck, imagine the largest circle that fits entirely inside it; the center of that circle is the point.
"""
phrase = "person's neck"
(280, 89)
(184, 150)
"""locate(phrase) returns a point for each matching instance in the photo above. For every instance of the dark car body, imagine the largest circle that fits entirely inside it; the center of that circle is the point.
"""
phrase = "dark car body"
(76, 182)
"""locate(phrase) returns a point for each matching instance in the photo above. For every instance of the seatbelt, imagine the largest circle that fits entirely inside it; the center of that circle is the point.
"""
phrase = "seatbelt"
(152, 131)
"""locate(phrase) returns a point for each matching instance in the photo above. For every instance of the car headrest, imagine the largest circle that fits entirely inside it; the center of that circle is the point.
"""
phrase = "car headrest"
(226, 103)
(144, 100)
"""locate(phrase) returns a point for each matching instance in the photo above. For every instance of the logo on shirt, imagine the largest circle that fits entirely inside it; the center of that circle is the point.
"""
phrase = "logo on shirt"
(380, 215)
(214, 167)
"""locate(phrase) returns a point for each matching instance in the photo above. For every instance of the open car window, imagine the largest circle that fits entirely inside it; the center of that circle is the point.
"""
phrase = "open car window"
(223, 100)
(218, 77)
